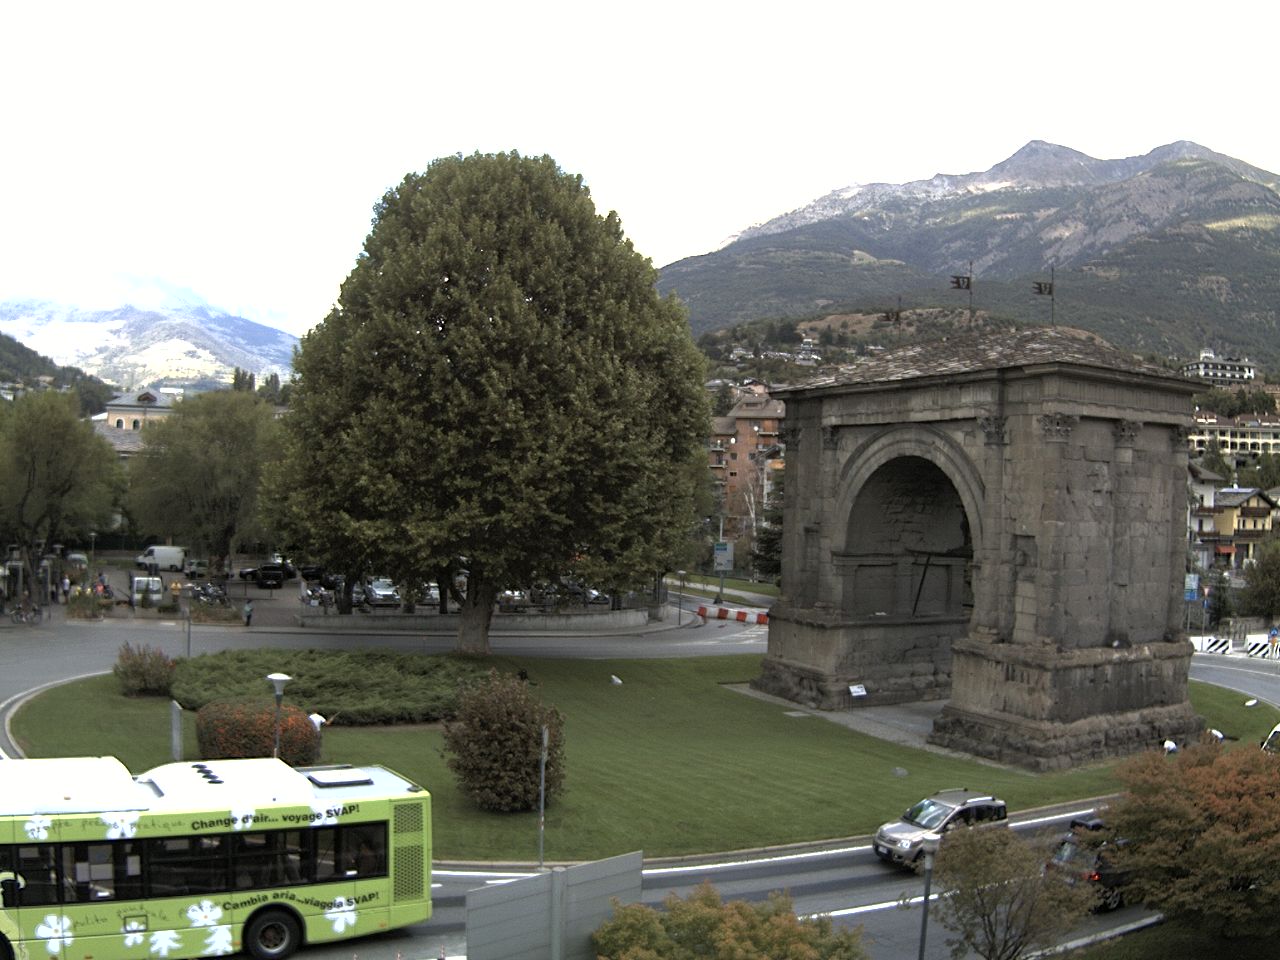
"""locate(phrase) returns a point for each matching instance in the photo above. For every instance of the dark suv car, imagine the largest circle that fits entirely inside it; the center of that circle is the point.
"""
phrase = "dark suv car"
(1087, 854)
(904, 840)
(270, 576)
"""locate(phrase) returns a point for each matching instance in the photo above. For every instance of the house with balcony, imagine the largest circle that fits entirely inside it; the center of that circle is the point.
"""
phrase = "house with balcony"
(1246, 436)
(744, 453)
(1226, 533)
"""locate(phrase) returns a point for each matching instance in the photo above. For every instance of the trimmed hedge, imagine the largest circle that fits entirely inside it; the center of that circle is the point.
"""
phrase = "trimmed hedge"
(230, 729)
(350, 688)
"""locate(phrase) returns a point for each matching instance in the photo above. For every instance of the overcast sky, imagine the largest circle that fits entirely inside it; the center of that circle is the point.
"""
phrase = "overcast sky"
(236, 149)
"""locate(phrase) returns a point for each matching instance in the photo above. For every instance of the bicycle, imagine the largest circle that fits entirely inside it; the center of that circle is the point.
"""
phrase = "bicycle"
(26, 614)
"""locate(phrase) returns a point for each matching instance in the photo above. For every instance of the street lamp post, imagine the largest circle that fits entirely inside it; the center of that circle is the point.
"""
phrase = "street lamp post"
(278, 680)
(93, 541)
(930, 848)
(680, 598)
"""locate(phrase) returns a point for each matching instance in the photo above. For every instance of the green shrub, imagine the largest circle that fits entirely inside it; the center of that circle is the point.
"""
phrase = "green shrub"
(703, 926)
(83, 606)
(495, 744)
(143, 670)
(247, 728)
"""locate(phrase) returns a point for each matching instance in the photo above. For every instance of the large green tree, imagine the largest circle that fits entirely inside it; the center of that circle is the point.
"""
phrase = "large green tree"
(58, 479)
(198, 475)
(499, 389)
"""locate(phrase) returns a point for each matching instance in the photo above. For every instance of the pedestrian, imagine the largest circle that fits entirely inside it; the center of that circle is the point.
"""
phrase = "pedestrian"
(66, 588)
(248, 613)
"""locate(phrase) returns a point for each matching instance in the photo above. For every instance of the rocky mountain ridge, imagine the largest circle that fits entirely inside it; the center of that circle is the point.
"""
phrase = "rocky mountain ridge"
(1163, 254)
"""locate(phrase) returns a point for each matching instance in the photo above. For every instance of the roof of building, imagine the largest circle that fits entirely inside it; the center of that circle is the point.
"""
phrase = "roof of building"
(1236, 496)
(757, 407)
(124, 442)
(1200, 472)
(988, 350)
(148, 397)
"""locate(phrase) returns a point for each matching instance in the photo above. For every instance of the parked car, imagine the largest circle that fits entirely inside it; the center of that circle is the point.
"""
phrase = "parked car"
(1086, 855)
(77, 562)
(196, 569)
(381, 592)
(904, 840)
(311, 572)
(268, 576)
(424, 593)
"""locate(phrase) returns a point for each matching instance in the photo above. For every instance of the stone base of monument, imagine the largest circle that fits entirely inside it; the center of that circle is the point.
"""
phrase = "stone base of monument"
(1046, 708)
(832, 662)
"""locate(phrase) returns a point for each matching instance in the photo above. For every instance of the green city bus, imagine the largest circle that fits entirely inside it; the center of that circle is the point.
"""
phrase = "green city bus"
(204, 859)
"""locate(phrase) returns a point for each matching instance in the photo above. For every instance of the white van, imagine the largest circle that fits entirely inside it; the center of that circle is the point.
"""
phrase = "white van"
(164, 558)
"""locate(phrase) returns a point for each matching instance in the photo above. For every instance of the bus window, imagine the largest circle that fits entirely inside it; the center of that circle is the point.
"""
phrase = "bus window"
(8, 882)
(365, 846)
(268, 859)
(180, 866)
(327, 862)
(36, 866)
(102, 871)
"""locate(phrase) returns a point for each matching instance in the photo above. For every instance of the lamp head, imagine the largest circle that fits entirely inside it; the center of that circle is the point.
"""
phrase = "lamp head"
(278, 680)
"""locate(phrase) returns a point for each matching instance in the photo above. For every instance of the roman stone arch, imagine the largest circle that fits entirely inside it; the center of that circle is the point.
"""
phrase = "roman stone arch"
(990, 520)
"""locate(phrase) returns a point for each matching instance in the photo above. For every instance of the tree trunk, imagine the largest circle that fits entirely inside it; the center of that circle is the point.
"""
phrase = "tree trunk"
(477, 612)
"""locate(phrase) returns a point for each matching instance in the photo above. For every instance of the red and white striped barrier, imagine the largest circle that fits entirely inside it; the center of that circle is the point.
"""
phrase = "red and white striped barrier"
(724, 613)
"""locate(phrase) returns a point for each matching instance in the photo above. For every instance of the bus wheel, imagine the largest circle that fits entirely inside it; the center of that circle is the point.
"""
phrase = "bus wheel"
(6, 951)
(272, 935)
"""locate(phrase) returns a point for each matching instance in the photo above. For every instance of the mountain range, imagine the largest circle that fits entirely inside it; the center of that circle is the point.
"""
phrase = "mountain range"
(190, 345)
(1163, 254)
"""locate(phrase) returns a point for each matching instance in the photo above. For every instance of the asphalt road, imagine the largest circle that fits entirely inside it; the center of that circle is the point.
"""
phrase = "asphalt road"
(844, 880)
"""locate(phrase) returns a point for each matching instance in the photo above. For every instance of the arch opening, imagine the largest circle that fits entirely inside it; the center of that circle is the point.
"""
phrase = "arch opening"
(908, 546)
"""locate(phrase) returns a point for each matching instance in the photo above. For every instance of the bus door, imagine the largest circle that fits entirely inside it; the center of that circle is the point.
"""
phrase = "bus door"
(345, 869)
(331, 900)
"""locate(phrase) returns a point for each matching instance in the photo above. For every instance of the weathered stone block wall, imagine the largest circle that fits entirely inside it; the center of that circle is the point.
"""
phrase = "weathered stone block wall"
(1067, 479)
(814, 662)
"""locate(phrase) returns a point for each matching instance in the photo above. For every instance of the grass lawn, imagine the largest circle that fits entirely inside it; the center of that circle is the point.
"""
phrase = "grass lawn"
(669, 762)
(1169, 941)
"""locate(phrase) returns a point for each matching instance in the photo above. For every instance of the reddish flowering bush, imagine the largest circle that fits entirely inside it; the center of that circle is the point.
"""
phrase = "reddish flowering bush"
(247, 728)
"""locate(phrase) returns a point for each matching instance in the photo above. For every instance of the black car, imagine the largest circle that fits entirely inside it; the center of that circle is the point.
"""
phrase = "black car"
(1086, 854)
(269, 576)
